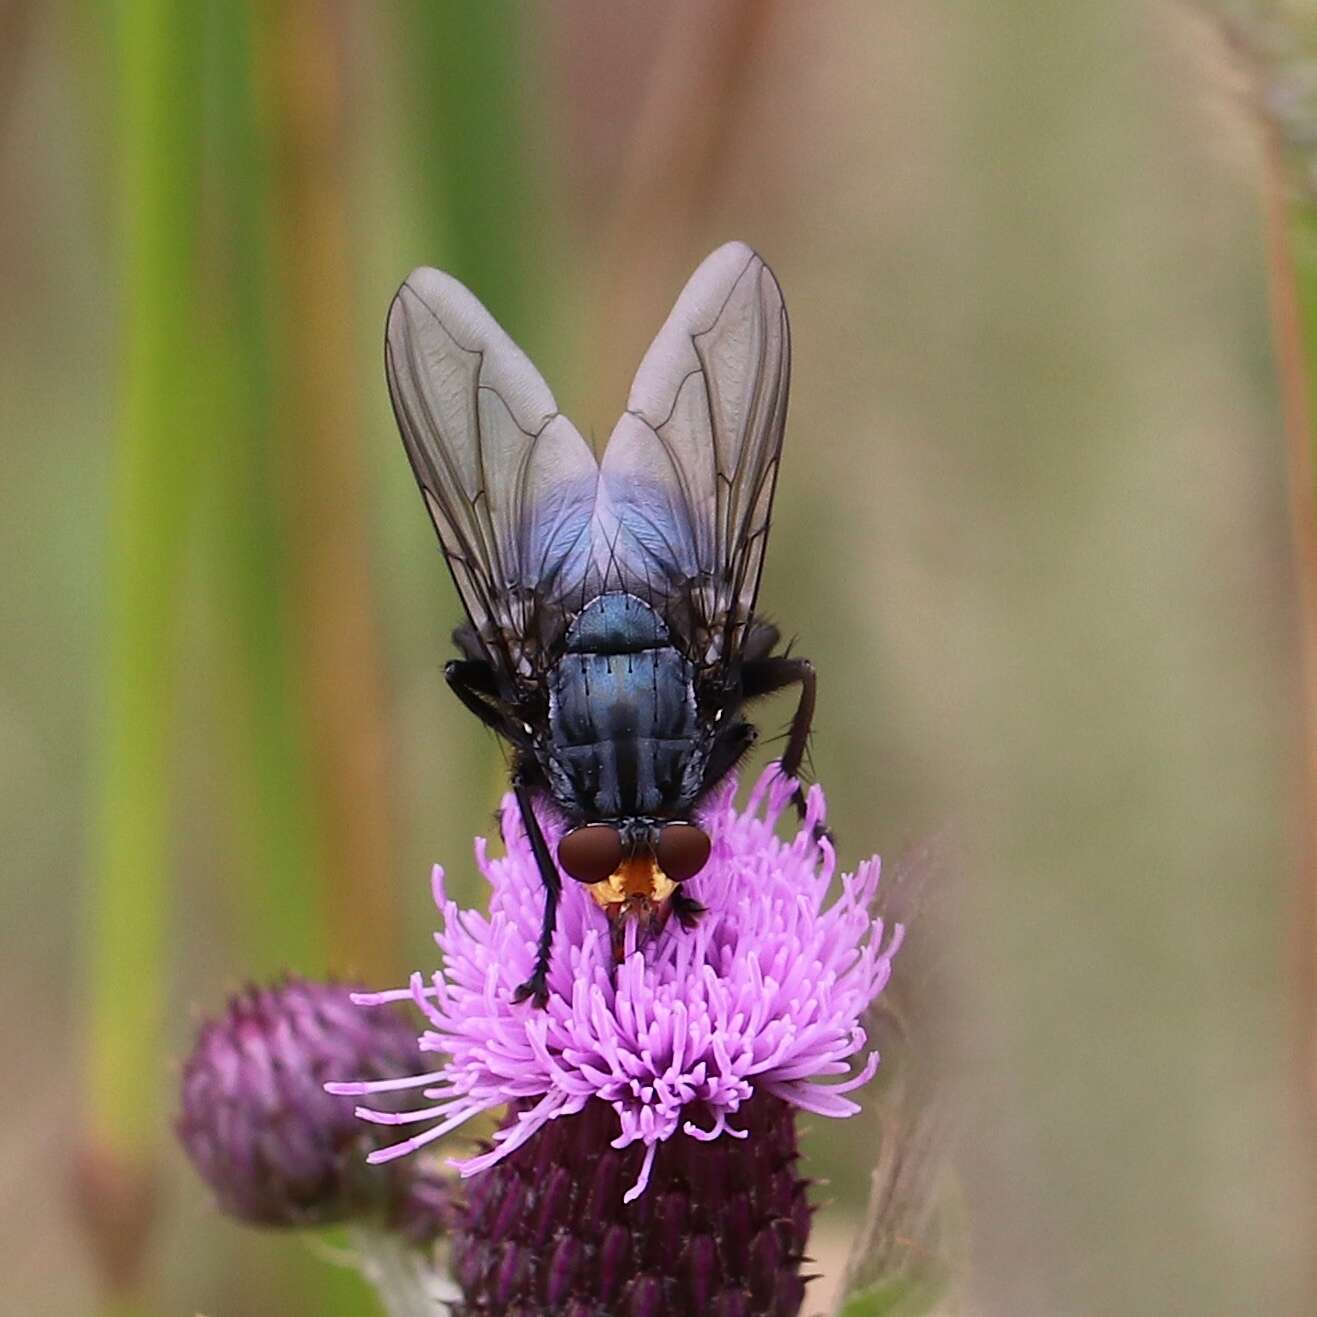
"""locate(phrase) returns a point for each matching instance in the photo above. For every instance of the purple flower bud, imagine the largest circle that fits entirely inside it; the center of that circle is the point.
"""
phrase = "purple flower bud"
(721, 1229)
(263, 1133)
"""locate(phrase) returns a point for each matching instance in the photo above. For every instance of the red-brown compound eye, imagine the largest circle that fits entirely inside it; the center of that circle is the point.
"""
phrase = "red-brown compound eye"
(592, 853)
(682, 850)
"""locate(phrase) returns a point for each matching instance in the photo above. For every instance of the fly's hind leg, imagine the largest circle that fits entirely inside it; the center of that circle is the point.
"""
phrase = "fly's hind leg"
(763, 676)
(537, 986)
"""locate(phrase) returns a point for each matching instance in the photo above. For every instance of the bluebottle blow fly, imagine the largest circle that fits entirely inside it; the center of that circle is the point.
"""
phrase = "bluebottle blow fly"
(611, 638)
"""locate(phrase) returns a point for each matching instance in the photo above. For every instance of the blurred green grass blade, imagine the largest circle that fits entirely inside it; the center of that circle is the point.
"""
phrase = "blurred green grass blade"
(279, 870)
(472, 154)
(152, 497)
(277, 860)
(155, 59)
(484, 217)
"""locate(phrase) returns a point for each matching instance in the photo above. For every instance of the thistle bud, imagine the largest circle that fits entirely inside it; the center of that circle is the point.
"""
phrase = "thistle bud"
(260, 1129)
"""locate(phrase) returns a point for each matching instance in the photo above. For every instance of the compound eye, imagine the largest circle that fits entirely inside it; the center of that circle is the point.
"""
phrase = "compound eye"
(682, 850)
(592, 853)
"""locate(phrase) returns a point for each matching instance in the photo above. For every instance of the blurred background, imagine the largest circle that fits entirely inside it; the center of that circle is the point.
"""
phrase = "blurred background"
(1036, 525)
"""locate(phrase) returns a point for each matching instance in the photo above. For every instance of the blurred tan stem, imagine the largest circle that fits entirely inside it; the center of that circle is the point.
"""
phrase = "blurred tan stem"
(1294, 363)
(15, 31)
(680, 148)
(325, 478)
(1124, 722)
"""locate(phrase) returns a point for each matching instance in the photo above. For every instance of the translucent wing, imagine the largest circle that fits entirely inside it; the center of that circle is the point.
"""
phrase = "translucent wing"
(686, 484)
(508, 481)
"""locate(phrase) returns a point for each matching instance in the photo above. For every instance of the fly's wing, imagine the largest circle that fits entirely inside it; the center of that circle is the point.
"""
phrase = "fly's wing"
(686, 483)
(508, 481)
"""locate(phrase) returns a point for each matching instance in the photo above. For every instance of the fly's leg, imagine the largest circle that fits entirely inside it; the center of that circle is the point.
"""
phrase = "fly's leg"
(686, 909)
(474, 683)
(766, 675)
(734, 739)
(537, 986)
(733, 742)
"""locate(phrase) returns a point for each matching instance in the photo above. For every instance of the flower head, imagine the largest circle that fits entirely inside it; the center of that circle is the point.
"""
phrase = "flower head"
(263, 1133)
(721, 1230)
(765, 995)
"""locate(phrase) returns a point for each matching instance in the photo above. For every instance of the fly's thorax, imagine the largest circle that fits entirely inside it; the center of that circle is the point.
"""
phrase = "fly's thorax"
(625, 735)
(616, 623)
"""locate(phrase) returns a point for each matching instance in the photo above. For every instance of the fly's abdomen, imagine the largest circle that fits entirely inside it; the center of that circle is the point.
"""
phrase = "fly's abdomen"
(622, 717)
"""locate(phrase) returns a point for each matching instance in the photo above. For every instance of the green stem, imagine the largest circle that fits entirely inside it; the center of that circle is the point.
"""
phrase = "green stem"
(151, 502)
(152, 497)
(484, 219)
(473, 157)
(277, 862)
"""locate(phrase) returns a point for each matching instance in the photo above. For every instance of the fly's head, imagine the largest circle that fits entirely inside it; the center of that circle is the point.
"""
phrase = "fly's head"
(638, 894)
(633, 869)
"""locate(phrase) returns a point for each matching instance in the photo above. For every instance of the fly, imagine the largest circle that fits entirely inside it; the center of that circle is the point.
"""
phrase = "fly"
(611, 638)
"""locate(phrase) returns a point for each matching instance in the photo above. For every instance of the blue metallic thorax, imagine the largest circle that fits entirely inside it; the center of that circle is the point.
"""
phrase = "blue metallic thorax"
(625, 740)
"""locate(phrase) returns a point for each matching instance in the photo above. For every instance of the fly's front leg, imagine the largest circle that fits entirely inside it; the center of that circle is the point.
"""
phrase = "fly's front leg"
(733, 742)
(766, 675)
(537, 986)
(474, 683)
(686, 908)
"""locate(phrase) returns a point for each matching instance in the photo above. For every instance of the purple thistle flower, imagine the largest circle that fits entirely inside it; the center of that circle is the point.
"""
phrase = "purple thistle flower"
(764, 996)
(260, 1129)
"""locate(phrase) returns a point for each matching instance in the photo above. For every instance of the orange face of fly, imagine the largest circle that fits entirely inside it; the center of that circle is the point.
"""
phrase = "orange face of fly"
(637, 890)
